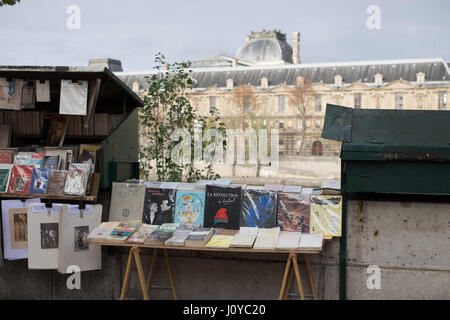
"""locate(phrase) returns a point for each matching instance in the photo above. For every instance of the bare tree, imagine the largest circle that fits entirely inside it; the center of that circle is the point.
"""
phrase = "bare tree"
(302, 96)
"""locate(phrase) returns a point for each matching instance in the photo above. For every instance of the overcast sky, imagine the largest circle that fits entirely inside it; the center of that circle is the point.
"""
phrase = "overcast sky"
(35, 32)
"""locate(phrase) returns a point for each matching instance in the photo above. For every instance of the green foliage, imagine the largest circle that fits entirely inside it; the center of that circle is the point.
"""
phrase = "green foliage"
(8, 2)
(167, 108)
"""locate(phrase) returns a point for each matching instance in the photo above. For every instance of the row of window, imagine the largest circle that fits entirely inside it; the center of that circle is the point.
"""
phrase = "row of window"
(281, 124)
(442, 102)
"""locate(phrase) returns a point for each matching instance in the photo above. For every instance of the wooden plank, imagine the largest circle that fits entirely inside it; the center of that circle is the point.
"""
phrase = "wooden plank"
(92, 103)
(122, 243)
(47, 196)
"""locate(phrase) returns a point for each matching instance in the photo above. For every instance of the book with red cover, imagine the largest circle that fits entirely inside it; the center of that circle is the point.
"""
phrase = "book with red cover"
(6, 156)
(20, 179)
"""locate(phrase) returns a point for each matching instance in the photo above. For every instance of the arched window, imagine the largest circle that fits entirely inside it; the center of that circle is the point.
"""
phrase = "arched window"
(317, 148)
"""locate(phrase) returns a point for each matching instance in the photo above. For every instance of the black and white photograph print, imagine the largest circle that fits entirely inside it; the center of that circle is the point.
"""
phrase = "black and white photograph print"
(80, 236)
(49, 235)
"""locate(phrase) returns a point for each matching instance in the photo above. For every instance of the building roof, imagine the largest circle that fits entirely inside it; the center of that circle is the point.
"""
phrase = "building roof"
(435, 69)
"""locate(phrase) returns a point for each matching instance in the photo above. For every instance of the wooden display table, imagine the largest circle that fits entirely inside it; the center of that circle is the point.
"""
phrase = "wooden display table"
(135, 251)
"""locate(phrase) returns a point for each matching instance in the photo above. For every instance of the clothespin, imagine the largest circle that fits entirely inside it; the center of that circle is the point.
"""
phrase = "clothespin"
(48, 205)
(81, 207)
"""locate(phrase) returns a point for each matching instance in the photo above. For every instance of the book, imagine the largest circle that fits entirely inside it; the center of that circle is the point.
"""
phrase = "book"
(273, 187)
(288, 240)
(159, 206)
(43, 236)
(245, 237)
(75, 225)
(17, 231)
(27, 160)
(5, 136)
(180, 234)
(127, 201)
(6, 156)
(267, 238)
(42, 90)
(76, 182)
(104, 230)
(73, 97)
(295, 189)
(220, 241)
(258, 208)
(199, 238)
(56, 182)
(90, 152)
(223, 206)
(124, 229)
(141, 233)
(28, 95)
(162, 233)
(5, 174)
(51, 162)
(189, 207)
(293, 212)
(326, 215)
(53, 130)
(10, 94)
(313, 241)
(20, 179)
(63, 156)
(39, 181)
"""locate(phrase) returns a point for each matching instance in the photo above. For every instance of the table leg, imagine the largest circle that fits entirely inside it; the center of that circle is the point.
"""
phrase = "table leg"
(311, 281)
(289, 284)
(285, 276)
(127, 275)
(152, 267)
(137, 257)
(171, 278)
(297, 275)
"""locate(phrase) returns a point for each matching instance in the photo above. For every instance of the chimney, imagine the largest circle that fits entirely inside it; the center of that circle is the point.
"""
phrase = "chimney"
(338, 80)
(112, 64)
(264, 83)
(296, 47)
(230, 84)
(420, 77)
(378, 79)
(234, 63)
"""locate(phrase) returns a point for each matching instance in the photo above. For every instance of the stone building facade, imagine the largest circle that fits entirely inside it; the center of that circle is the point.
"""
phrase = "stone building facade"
(262, 85)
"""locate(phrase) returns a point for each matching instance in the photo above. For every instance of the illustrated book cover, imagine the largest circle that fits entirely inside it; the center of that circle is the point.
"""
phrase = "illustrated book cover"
(222, 206)
(141, 233)
(159, 206)
(326, 215)
(293, 212)
(5, 174)
(56, 182)
(189, 207)
(20, 179)
(162, 233)
(39, 181)
(258, 208)
(199, 237)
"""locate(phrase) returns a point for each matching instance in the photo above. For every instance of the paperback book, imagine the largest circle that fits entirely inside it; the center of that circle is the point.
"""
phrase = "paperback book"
(245, 237)
(5, 174)
(222, 206)
(20, 179)
(293, 212)
(311, 241)
(39, 181)
(326, 215)
(125, 229)
(127, 201)
(258, 208)
(189, 207)
(267, 238)
(199, 238)
(162, 233)
(51, 162)
(288, 240)
(180, 234)
(159, 206)
(141, 233)
(56, 182)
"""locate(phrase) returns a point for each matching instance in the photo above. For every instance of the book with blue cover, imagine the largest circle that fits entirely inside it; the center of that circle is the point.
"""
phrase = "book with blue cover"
(39, 180)
(190, 207)
(259, 208)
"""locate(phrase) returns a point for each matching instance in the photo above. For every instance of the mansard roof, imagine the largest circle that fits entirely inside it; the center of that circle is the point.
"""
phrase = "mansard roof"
(435, 69)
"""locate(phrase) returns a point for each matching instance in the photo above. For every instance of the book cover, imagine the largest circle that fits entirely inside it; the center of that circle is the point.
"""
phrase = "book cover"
(5, 174)
(267, 238)
(258, 208)
(27, 160)
(6, 156)
(10, 94)
(189, 207)
(326, 215)
(39, 181)
(20, 179)
(75, 182)
(141, 233)
(219, 241)
(288, 240)
(104, 230)
(18, 225)
(162, 233)
(245, 237)
(159, 206)
(127, 201)
(293, 212)
(223, 206)
(51, 162)
(125, 229)
(56, 182)
(180, 234)
(312, 241)
(63, 156)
